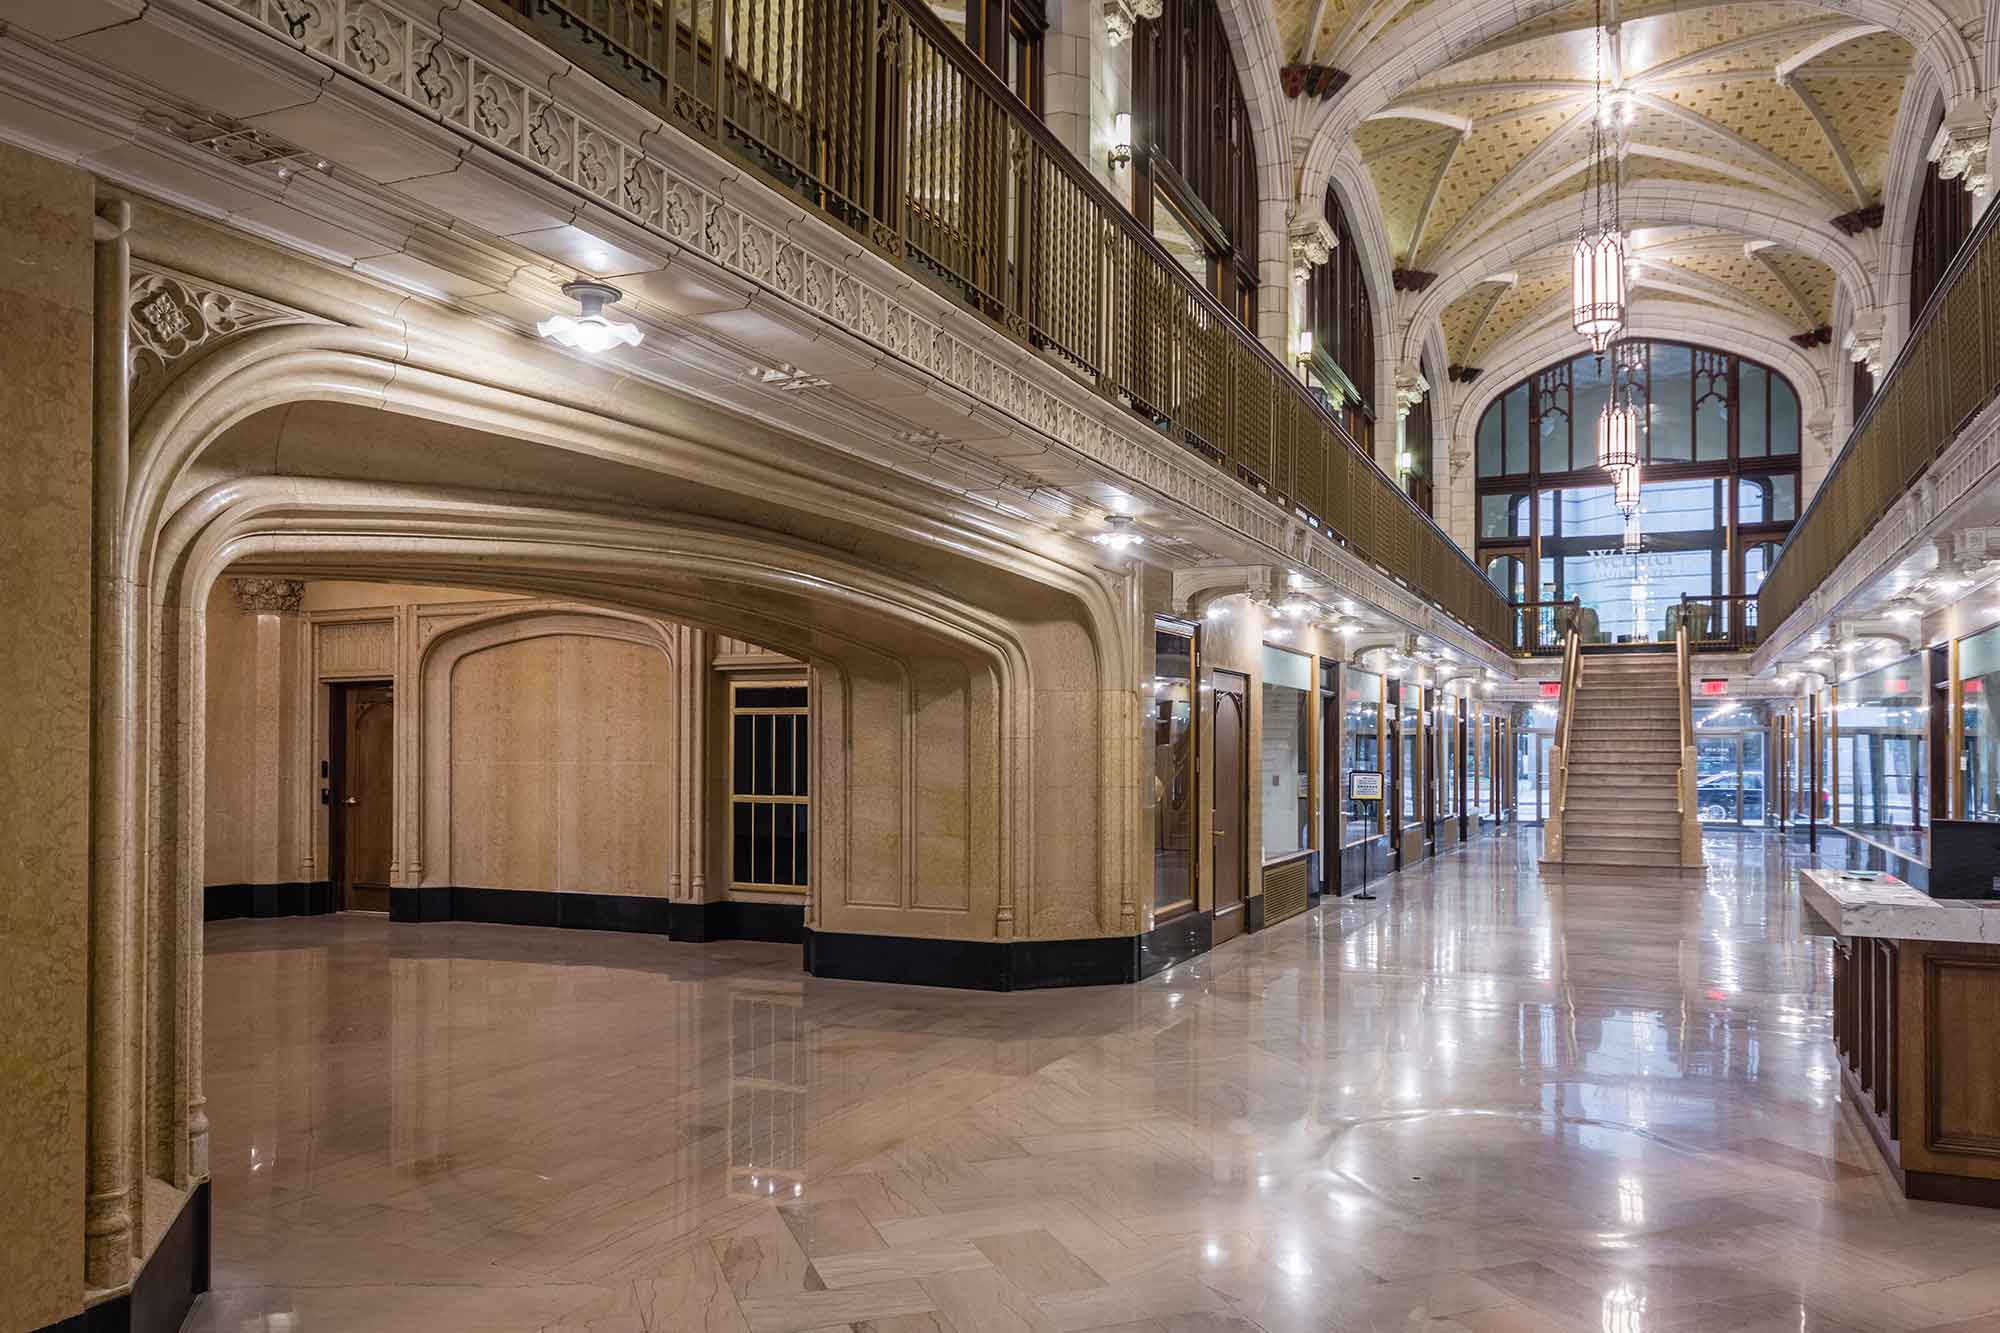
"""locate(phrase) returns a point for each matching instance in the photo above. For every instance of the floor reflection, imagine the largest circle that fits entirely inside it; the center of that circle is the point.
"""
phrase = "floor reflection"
(1484, 1101)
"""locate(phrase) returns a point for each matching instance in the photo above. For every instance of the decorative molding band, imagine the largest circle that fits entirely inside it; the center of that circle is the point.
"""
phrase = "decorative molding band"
(454, 83)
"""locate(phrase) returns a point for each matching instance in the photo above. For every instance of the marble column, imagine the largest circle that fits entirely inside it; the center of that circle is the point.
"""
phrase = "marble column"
(46, 281)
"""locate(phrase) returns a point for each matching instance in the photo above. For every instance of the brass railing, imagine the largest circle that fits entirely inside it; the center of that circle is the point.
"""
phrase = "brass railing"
(1684, 773)
(877, 115)
(1559, 752)
(1720, 623)
(1948, 369)
(1541, 628)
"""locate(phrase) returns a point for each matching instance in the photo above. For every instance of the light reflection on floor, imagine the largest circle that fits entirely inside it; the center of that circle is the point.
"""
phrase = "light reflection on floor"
(1484, 1101)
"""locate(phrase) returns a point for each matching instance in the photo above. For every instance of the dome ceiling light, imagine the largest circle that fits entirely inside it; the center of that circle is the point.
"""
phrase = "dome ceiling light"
(1597, 267)
(1119, 533)
(589, 331)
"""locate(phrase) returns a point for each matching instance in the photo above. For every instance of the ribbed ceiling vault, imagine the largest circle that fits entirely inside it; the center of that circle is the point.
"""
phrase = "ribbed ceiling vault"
(1473, 123)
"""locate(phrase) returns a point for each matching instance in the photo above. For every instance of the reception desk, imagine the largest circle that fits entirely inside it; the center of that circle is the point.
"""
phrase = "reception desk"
(1916, 1022)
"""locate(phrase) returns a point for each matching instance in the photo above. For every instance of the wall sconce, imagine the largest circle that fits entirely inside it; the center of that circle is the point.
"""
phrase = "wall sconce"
(1304, 350)
(1121, 134)
(1406, 461)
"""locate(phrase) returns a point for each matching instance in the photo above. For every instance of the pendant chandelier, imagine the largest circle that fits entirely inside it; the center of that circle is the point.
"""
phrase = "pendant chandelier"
(1625, 491)
(1597, 268)
(1618, 436)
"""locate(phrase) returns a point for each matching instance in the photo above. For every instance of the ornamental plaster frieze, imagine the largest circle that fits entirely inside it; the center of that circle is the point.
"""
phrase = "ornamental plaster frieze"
(172, 317)
(261, 596)
(595, 142)
(1931, 509)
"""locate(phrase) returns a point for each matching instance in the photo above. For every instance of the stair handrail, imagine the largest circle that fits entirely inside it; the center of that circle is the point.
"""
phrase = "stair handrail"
(1684, 777)
(1572, 677)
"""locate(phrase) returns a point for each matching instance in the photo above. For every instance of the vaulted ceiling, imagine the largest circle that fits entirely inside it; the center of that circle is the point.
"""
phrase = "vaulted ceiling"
(1789, 104)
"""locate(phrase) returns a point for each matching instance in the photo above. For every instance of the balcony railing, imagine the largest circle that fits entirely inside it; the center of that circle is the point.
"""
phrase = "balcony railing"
(1723, 623)
(1540, 628)
(1948, 369)
(878, 116)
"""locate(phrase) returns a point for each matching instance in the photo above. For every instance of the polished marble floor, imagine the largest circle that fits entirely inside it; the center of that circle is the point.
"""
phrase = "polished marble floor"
(1483, 1102)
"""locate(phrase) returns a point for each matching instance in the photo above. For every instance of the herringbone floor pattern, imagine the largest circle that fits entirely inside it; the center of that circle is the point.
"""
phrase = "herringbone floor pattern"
(1483, 1102)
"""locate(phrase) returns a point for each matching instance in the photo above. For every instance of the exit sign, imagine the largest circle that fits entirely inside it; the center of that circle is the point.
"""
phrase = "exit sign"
(1552, 689)
(1713, 687)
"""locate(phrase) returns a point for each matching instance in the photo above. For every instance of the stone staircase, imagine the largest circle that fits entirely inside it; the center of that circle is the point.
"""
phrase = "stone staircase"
(1625, 755)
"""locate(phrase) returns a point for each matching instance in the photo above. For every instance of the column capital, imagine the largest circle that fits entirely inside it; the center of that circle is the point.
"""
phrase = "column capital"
(269, 596)
(1863, 342)
(1961, 144)
(1313, 244)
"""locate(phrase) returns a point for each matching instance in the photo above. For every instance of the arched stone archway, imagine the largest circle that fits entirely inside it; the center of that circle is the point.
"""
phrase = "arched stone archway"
(982, 688)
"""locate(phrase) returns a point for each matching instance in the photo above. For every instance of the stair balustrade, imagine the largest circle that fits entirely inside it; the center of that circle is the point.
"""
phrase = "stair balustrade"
(1684, 785)
(1559, 752)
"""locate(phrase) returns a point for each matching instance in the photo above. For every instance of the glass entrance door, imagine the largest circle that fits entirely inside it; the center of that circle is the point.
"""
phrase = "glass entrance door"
(1729, 777)
(1531, 776)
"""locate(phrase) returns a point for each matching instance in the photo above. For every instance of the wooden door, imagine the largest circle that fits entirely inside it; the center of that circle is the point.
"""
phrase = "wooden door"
(1231, 788)
(363, 767)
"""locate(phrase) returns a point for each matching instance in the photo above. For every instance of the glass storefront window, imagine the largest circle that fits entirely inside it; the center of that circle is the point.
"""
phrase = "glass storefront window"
(1447, 769)
(1881, 736)
(1361, 744)
(1287, 752)
(1410, 725)
(1173, 768)
(1979, 759)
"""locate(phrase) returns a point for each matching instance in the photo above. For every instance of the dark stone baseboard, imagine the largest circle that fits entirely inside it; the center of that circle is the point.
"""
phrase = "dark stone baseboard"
(1253, 913)
(1008, 965)
(697, 922)
(225, 902)
(1174, 942)
(771, 923)
(165, 1289)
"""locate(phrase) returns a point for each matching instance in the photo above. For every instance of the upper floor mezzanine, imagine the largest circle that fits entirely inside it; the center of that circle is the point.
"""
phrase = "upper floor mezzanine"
(880, 243)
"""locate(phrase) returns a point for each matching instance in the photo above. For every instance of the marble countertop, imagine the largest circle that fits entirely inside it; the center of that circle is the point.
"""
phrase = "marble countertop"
(1887, 908)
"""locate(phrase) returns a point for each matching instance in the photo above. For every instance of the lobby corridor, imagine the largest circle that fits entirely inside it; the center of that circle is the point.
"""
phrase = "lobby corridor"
(1483, 1102)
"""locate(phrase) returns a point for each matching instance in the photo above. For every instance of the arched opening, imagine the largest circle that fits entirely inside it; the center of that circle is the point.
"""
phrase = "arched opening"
(1720, 437)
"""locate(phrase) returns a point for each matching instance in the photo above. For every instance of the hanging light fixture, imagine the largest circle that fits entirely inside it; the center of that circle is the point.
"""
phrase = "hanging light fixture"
(1619, 423)
(1625, 491)
(1618, 436)
(589, 330)
(1597, 267)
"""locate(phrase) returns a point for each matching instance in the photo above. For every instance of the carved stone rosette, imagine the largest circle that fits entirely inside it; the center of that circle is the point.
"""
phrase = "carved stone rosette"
(173, 317)
(269, 596)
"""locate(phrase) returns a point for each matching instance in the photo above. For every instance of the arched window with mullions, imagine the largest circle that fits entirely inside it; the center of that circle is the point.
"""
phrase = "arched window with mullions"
(1719, 434)
(1195, 171)
(1339, 362)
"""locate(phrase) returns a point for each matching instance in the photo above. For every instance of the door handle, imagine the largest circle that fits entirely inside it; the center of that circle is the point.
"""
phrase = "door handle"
(352, 800)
